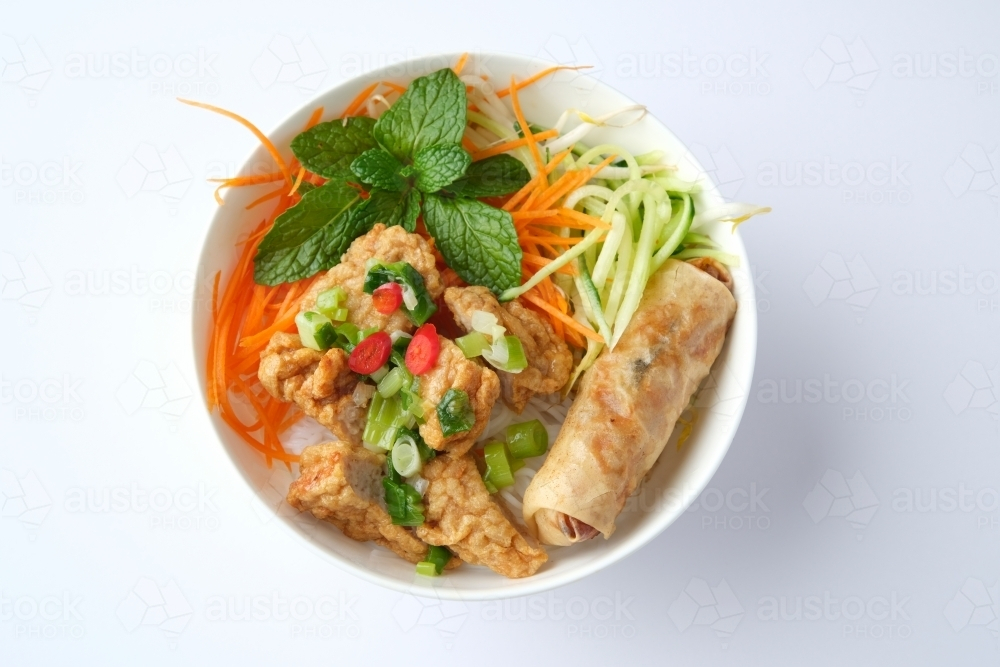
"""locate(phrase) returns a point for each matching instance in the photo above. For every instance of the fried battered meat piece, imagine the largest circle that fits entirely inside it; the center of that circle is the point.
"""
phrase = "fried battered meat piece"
(343, 485)
(549, 359)
(461, 515)
(453, 371)
(320, 383)
(388, 245)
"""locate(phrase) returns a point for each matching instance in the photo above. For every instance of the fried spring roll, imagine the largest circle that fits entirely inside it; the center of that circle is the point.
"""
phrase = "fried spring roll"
(629, 401)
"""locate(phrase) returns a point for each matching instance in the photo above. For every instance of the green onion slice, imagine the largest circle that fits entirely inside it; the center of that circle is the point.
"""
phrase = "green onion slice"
(455, 412)
(527, 439)
(315, 330)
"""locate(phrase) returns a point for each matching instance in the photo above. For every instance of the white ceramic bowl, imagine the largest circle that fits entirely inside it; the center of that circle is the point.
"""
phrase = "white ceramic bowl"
(678, 477)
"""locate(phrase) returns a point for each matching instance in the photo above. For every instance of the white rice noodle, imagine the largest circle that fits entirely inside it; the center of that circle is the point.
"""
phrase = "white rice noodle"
(305, 433)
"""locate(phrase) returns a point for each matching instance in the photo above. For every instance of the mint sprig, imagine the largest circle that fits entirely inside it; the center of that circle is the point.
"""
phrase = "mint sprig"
(413, 160)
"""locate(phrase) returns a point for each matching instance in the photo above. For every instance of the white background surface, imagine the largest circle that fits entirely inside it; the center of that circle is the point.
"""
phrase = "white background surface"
(877, 271)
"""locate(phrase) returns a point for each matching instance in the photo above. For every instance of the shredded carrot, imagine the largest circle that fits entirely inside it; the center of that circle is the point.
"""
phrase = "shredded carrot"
(566, 319)
(298, 181)
(314, 118)
(460, 65)
(468, 145)
(496, 149)
(249, 180)
(395, 87)
(541, 75)
(525, 129)
(253, 128)
(589, 220)
(263, 198)
(356, 103)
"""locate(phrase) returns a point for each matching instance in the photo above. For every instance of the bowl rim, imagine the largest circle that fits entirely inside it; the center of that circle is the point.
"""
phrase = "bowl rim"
(439, 588)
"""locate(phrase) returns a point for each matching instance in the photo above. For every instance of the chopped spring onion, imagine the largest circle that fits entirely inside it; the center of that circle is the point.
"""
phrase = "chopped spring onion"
(418, 483)
(472, 345)
(363, 393)
(402, 502)
(483, 322)
(315, 330)
(425, 568)
(433, 565)
(498, 468)
(392, 382)
(380, 373)
(455, 413)
(517, 361)
(348, 336)
(498, 353)
(527, 439)
(385, 417)
(396, 336)
(417, 302)
(330, 302)
(405, 457)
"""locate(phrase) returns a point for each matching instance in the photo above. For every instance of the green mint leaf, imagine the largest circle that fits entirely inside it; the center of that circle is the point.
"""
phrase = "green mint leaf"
(432, 111)
(378, 168)
(390, 208)
(312, 235)
(437, 166)
(304, 187)
(330, 147)
(493, 177)
(478, 241)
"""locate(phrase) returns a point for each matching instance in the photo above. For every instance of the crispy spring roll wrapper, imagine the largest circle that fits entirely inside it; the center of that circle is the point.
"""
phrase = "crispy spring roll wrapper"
(629, 401)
